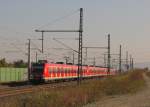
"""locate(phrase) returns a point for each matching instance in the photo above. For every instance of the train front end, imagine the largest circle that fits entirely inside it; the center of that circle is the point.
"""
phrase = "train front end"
(36, 74)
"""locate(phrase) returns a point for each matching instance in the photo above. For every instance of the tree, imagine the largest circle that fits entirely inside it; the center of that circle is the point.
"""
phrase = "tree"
(20, 64)
(3, 62)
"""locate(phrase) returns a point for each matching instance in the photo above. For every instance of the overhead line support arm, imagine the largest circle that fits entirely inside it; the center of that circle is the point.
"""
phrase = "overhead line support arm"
(57, 30)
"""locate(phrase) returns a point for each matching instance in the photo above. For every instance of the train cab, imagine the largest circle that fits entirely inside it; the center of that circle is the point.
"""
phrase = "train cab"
(36, 72)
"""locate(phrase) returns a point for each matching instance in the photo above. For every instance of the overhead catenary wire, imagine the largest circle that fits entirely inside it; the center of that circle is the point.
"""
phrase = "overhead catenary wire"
(19, 49)
(36, 47)
(64, 45)
(60, 18)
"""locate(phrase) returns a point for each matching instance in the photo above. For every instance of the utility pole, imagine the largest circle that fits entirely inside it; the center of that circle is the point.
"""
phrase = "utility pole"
(94, 62)
(120, 63)
(85, 59)
(108, 62)
(130, 62)
(105, 63)
(29, 62)
(127, 65)
(73, 58)
(66, 59)
(42, 42)
(36, 59)
(80, 47)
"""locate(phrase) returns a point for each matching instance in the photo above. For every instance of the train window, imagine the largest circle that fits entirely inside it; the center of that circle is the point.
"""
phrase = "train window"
(69, 69)
(58, 69)
(65, 69)
(73, 69)
(94, 69)
(76, 69)
(50, 69)
(82, 69)
(55, 69)
(62, 69)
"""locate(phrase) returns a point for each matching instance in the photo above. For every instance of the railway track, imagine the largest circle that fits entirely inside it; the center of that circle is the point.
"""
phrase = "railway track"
(29, 89)
(6, 92)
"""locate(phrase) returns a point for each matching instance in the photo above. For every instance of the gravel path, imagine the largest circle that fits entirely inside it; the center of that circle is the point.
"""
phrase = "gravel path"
(140, 99)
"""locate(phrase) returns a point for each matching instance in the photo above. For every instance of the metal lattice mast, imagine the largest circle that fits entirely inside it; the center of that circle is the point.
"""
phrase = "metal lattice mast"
(42, 42)
(120, 63)
(80, 47)
(73, 58)
(29, 61)
(108, 62)
(36, 57)
(105, 63)
(130, 62)
(127, 65)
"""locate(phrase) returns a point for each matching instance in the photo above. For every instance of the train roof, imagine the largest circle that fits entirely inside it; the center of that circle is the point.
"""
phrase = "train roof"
(41, 62)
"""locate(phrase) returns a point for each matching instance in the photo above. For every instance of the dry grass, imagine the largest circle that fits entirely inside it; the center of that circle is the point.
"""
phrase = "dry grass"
(129, 83)
(148, 73)
(77, 96)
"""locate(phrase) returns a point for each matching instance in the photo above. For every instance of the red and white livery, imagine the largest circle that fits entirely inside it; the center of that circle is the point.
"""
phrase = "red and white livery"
(51, 71)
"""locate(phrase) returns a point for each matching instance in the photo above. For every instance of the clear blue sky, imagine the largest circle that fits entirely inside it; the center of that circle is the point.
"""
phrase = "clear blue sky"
(128, 22)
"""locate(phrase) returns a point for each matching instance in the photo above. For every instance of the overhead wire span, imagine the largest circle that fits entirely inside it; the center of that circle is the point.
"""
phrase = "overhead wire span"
(36, 47)
(68, 38)
(58, 19)
(18, 48)
(65, 45)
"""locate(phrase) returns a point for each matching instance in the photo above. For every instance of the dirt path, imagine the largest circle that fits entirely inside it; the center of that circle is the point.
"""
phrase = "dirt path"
(140, 99)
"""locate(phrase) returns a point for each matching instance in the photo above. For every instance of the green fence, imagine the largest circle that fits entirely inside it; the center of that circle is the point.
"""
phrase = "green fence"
(12, 74)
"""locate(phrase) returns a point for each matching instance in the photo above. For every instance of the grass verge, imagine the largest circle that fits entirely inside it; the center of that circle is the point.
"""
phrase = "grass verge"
(87, 92)
(148, 73)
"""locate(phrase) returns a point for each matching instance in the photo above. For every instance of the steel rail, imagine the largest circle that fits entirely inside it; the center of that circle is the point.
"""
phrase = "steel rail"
(14, 92)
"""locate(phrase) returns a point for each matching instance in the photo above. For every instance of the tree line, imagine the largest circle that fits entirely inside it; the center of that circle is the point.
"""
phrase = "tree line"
(18, 63)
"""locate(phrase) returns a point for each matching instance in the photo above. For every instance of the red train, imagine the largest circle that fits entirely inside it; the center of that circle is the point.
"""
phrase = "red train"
(41, 72)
